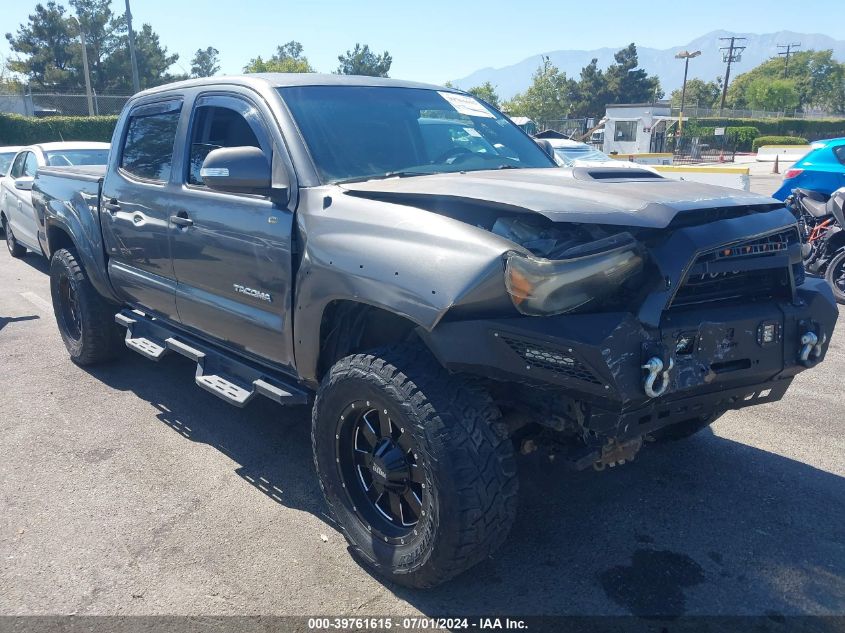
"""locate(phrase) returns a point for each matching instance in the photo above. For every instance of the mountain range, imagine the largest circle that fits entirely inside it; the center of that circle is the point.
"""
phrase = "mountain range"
(661, 62)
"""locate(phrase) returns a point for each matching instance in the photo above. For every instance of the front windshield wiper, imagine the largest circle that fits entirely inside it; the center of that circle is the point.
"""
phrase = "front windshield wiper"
(388, 174)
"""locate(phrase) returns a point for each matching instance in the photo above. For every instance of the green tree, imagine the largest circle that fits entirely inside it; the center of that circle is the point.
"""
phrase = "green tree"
(362, 61)
(818, 79)
(485, 91)
(288, 58)
(44, 49)
(206, 62)
(704, 94)
(547, 98)
(153, 59)
(592, 92)
(629, 84)
(98, 26)
(772, 94)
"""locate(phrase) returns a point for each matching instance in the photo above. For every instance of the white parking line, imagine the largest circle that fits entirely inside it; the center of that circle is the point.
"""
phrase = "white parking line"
(38, 302)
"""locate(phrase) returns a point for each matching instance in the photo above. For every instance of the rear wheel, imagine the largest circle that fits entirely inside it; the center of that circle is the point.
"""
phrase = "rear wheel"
(85, 319)
(412, 461)
(835, 276)
(15, 248)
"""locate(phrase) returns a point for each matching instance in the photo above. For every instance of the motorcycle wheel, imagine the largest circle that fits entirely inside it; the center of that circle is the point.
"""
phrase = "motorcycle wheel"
(835, 276)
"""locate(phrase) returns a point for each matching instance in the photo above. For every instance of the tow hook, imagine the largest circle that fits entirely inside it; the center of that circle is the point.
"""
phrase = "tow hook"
(811, 348)
(655, 371)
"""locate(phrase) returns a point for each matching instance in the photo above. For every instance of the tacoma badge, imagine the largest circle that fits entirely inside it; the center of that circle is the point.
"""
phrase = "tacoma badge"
(251, 292)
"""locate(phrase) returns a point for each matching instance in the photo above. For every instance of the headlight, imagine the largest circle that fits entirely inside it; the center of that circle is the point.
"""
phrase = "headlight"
(592, 271)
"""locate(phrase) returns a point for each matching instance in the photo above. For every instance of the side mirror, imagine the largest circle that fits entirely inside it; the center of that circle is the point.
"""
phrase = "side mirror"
(24, 183)
(237, 170)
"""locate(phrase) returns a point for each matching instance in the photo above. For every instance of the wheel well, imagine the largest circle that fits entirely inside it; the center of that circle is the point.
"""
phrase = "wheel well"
(58, 238)
(348, 327)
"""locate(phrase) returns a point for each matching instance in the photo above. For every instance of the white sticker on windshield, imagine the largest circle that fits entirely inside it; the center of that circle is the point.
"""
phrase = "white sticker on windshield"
(467, 105)
(472, 131)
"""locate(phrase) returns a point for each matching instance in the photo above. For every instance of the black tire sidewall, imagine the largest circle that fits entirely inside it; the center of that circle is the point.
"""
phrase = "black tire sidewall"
(327, 410)
(828, 277)
(61, 267)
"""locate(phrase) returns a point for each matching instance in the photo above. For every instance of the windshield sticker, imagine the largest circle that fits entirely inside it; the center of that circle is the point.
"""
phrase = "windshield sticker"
(465, 104)
(472, 131)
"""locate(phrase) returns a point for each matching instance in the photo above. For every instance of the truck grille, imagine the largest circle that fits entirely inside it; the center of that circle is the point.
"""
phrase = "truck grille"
(551, 360)
(745, 281)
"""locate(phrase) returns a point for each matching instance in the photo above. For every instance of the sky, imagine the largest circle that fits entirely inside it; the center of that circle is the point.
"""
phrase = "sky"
(437, 40)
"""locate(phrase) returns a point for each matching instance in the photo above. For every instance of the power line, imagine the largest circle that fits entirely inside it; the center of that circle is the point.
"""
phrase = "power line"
(789, 51)
(730, 54)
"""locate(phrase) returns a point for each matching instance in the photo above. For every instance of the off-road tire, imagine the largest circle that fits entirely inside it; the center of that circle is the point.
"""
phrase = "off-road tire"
(468, 461)
(683, 430)
(834, 269)
(98, 337)
(16, 249)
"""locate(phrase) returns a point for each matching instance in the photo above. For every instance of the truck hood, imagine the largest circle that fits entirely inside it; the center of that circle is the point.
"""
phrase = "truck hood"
(557, 195)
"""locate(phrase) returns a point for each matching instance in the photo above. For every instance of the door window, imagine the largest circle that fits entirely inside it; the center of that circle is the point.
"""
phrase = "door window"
(17, 168)
(215, 126)
(147, 151)
(30, 165)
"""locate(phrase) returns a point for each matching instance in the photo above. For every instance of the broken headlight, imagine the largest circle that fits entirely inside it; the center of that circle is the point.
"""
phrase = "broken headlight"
(582, 274)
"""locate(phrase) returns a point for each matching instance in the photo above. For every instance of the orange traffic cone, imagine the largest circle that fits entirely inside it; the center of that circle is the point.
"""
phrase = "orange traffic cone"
(775, 169)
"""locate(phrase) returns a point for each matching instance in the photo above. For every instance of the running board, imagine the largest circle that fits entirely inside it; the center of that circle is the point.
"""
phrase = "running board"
(227, 376)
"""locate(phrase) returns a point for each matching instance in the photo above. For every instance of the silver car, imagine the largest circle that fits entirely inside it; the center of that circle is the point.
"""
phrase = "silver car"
(16, 212)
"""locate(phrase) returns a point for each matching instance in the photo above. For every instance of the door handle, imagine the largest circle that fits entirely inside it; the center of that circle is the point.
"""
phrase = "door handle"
(181, 219)
(112, 205)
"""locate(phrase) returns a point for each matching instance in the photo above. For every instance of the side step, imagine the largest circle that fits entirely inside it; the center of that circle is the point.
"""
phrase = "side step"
(227, 376)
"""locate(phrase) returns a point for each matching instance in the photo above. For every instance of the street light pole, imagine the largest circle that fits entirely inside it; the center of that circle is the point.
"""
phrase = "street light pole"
(135, 83)
(85, 68)
(686, 56)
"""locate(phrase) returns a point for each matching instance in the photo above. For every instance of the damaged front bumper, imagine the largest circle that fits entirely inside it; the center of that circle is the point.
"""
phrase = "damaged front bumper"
(721, 357)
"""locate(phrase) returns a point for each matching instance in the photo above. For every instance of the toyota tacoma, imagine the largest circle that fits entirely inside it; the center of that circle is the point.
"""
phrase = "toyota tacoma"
(408, 261)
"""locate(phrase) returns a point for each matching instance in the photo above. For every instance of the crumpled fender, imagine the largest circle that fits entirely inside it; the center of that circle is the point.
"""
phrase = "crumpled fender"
(407, 261)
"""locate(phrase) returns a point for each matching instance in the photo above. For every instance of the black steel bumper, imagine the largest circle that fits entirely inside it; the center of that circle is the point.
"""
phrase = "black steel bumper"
(722, 358)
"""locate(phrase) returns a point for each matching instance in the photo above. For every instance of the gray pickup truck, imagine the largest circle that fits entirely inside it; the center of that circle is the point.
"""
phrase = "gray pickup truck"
(409, 261)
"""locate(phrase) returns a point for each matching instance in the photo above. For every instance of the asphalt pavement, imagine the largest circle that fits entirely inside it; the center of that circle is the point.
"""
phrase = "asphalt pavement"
(125, 489)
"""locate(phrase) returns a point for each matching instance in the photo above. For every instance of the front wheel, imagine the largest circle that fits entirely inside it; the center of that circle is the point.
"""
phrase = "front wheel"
(16, 249)
(419, 474)
(835, 277)
(85, 319)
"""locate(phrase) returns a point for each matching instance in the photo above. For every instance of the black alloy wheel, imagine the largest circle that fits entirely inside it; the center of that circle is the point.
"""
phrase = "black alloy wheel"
(385, 478)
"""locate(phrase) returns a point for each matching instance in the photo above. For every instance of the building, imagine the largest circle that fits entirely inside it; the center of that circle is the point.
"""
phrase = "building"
(637, 128)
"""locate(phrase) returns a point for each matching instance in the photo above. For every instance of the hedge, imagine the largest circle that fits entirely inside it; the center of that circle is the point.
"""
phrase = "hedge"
(777, 140)
(813, 129)
(22, 130)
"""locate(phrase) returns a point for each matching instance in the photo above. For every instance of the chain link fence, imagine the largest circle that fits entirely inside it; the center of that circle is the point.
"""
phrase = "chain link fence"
(41, 104)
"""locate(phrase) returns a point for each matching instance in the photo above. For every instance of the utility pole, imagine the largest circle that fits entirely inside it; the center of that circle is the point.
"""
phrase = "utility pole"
(686, 56)
(733, 54)
(790, 49)
(85, 67)
(135, 83)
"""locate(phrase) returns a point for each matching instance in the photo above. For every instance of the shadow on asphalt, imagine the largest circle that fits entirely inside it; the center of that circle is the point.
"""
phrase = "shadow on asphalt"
(37, 261)
(706, 525)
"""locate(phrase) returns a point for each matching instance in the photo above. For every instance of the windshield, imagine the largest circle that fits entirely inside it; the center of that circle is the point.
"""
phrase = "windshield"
(363, 132)
(6, 162)
(67, 157)
(586, 153)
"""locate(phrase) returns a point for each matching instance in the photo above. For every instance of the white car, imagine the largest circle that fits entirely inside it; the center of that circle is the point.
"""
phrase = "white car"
(575, 154)
(16, 212)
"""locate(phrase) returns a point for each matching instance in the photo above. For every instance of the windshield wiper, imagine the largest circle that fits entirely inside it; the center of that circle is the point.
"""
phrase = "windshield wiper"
(389, 174)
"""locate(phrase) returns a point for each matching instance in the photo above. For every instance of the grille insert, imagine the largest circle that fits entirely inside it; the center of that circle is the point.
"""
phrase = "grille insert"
(552, 360)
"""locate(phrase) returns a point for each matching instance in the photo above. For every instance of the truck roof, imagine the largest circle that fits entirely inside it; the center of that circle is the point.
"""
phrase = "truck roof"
(281, 80)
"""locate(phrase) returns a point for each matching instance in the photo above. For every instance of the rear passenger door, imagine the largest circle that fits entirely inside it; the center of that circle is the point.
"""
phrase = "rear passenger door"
(232, 252)
(136, 208)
